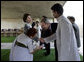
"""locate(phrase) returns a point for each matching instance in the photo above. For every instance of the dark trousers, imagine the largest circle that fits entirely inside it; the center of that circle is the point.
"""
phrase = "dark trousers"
(47, 47)
(56, 52)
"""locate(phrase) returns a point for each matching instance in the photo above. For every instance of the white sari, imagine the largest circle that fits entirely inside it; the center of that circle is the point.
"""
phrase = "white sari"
(20, 53)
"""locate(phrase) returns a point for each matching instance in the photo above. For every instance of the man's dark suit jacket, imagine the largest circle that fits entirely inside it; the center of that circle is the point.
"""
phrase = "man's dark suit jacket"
(54, 28)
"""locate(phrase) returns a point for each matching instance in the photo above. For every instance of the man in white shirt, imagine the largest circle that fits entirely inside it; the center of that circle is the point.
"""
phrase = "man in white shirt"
(66, 41)
(28, 20)
(29, 24)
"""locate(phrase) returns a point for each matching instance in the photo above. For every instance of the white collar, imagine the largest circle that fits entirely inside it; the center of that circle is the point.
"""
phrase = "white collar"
(59, 18)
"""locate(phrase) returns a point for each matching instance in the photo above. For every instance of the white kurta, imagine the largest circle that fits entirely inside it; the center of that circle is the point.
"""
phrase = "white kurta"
(66, 41)
(20, 53)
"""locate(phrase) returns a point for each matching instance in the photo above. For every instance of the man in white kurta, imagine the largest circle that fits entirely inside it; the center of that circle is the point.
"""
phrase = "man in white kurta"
(66, 41)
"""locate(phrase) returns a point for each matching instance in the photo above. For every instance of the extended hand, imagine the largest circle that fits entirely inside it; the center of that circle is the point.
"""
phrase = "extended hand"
(42, 40)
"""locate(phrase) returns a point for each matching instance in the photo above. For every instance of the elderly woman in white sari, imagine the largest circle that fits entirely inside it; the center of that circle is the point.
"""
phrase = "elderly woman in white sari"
(23, 48)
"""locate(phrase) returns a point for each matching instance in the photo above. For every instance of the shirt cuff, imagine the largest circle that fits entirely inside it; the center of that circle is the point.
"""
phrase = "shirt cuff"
(46, 40)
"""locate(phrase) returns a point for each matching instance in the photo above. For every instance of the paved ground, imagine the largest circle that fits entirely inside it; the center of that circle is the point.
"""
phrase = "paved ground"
(8, 46)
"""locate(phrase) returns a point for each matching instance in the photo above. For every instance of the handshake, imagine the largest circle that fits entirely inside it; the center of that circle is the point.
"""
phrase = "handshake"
(41, 40)
(40, 47)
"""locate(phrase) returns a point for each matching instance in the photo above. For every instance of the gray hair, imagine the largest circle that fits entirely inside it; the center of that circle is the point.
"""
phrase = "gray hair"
(46, 20)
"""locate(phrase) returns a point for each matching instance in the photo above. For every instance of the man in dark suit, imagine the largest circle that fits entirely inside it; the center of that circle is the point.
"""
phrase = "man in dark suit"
(76, 30)
(50, 29)
(45, 32)
(53, 28)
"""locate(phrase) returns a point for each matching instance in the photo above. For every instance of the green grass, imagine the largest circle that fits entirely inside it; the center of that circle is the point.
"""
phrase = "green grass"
(38, 56)
(7, 39)
(5, 54)
(81, 57)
